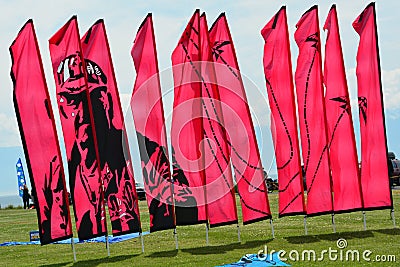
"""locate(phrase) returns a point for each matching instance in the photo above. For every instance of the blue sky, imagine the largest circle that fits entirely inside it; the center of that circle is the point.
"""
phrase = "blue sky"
(246, 19)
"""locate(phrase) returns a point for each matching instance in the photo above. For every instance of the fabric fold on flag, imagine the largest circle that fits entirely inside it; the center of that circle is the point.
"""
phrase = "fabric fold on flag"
(111, 136)
(280, 89)
(242, 143)
(374, 154)
(341, 141)
(39, 137)
(187, 128)
(221, 202)
(148, 114)
(73, 101)
(311, 110)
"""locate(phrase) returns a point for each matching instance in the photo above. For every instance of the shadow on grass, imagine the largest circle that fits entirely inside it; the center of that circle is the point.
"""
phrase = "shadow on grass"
(346, 235)
(222, 249)
(56, 264)
(329, 237)
(163, 254)
(303, 239)
(390, 231)
(96, 262)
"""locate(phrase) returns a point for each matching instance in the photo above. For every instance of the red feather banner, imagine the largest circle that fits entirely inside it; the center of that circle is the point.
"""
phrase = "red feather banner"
(311, 110)
(279, 81)
(73, 100)
(242, 141)
(148, 114)
(112, 141)
(341, 141)
(374, 157)
(39, 137)
(187, 129)
(220, 195)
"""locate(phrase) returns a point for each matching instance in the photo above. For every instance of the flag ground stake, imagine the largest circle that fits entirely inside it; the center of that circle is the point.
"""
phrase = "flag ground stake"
(176, 239)
(365, 221)
(107, 245)
(272, 228)
(393, 218)
(73, 248)
(207, 234)
(142, 241)
(238, 230)
(305, 225)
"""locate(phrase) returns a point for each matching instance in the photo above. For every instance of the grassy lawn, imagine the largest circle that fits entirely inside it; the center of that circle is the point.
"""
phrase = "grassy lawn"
(380, 238)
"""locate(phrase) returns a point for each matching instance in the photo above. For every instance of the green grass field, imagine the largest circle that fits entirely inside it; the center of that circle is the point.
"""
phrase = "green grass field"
(380, 238)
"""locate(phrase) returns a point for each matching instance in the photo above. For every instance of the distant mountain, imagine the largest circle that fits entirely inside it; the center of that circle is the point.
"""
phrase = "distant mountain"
(14, 200)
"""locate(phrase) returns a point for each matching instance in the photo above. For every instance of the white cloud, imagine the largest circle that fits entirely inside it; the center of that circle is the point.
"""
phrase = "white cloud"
(9, 134)
(391, 89)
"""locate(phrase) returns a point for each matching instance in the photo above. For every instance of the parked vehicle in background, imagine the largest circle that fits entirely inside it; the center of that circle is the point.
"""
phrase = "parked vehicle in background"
(141, 193)
(394, 170)
(272, 184)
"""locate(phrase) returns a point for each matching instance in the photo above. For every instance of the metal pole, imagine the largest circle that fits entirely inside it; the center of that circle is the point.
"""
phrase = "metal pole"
(365, 221)
(141, 240)
(107, 246)
(207, 234)
(272, 228)
(238, 230)
(333, 223)
(176, 239)
(393, 218)
(305, 225)
(73, 248)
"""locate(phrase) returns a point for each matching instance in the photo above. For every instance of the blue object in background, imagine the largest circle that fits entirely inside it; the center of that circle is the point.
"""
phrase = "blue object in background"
(254, 260)
(20, 177)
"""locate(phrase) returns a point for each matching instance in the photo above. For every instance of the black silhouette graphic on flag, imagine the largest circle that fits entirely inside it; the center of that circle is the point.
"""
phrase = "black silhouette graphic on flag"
(82, 163)
(185, 203)
(156, 175)
(55, 200)
(118, 187)
(362, 105)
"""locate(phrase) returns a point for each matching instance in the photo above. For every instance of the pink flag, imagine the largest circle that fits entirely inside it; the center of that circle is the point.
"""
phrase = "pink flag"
(279, 81)
(39, 137)
(341, 140)
(187, 129)
(112, 141)
(77, 122)
(311, 109)
(242, 141)
(374, 160)
(148, 114)
(221, 202)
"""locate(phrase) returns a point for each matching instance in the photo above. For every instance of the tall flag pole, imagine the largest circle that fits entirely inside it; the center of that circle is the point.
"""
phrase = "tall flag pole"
(187, 129)
(39, 137)
(73, 101)
(280, 88)
(341, 140)
(112, 142)
(148, 114)
(242, 141)
(311, 110)
(221, 202)
(20, 177)
(374, 159)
